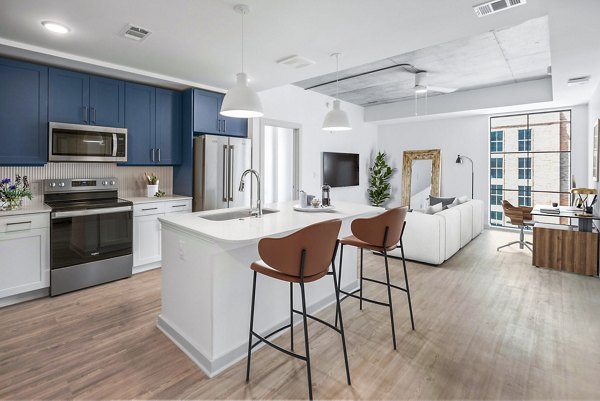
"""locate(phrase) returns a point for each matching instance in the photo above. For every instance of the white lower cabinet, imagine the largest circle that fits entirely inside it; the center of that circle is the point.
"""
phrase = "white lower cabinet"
(24, 253)
(146, 231)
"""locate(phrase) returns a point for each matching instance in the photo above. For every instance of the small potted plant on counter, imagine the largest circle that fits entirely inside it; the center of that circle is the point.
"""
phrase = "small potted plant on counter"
(152, 184)
(12, 193)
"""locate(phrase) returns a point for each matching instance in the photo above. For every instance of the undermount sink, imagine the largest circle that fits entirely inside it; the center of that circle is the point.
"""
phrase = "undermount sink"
(234, 214)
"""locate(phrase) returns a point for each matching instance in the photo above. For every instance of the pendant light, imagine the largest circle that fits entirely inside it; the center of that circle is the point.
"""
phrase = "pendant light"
(241, 101)
(336, 119)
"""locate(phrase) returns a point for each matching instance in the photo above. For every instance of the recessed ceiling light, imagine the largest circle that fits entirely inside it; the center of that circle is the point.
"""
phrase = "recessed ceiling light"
(55, 27)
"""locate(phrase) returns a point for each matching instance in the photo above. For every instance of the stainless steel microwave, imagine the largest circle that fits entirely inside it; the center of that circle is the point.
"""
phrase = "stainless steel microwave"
(86, 143)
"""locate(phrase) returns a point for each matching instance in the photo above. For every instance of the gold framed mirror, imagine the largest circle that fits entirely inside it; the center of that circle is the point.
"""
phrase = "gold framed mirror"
(421, 171)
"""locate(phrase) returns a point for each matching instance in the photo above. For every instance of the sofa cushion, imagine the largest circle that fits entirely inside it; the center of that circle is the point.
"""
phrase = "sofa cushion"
(438, 207)
(466, 222)
(433, 200)
(478, 216)
(452, 231)
(424, 238)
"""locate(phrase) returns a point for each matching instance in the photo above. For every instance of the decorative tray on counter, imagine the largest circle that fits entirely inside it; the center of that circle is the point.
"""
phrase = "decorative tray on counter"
(314, 209)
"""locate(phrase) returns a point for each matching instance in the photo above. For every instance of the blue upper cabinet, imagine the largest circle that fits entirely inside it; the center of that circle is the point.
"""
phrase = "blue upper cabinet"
(207, 119)
(23, 113)
(107, 102)
(168, 126)
(206, 112)
(153, 118)
(140, 106)
(78, 98)
(69, 97)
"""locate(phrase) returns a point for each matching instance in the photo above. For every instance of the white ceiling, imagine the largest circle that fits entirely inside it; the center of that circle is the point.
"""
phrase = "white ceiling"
(197, 42)
(508, 55)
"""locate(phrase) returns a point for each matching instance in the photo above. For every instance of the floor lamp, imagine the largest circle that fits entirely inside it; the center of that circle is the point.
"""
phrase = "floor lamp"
(459, 160)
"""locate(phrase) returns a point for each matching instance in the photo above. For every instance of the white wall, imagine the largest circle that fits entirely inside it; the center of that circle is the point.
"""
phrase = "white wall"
(307, 108)
(469, 136)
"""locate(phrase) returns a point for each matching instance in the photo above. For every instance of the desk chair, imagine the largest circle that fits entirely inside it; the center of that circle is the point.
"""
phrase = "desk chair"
(519, 216)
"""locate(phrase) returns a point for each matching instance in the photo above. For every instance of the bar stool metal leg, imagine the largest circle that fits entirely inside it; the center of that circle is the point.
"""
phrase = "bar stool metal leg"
(412, 320)
(251, 327)
(338, 312)
(339, 284)
(292, 316)
(389, 289)
(306, 346)
(361, 278)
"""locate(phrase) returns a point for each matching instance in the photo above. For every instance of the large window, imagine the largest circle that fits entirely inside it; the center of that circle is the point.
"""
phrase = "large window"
(530, 160)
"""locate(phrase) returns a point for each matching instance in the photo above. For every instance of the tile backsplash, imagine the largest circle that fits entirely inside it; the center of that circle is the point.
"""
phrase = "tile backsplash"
(131, 179)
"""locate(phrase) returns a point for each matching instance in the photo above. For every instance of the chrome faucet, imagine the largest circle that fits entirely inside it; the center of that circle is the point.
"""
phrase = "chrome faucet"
(241, 189)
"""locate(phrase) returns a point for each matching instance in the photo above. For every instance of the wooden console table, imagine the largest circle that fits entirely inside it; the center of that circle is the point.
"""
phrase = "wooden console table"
(565, 248)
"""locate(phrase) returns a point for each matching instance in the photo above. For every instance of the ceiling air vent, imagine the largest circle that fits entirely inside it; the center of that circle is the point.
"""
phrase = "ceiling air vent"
(135, 32)
(494, 6)
(296, 61)
(578, 81)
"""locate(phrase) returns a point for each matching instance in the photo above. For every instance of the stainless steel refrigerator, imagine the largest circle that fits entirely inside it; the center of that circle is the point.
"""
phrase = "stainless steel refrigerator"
(219, 162)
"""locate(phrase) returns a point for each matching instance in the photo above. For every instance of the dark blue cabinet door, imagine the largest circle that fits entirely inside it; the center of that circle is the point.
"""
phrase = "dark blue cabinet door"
(206, 112)
(68, 96)
(107, 102)
(236, 126)
(140, 105)
(168, 126)
(23, 113)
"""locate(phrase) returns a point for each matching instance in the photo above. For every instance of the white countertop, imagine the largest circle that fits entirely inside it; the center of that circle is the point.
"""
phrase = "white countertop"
(251, 228)
(166, 198)
(27, 209)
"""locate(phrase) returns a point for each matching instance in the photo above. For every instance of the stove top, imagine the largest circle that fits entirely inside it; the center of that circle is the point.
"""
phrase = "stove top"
(81, 194)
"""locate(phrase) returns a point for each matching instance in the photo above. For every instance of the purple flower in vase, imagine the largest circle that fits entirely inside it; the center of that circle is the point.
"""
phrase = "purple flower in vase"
(12, 187)
(6, 181)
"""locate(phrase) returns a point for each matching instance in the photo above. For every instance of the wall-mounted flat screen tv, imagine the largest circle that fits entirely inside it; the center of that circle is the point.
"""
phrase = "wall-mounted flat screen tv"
(340, 169)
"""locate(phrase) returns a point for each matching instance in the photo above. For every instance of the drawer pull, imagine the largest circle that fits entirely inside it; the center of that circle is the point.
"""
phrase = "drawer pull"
(20, 222)
(178, 206)
(150, 208)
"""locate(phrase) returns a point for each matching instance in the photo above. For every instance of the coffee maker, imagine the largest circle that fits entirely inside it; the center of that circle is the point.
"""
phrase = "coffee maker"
(326, 195)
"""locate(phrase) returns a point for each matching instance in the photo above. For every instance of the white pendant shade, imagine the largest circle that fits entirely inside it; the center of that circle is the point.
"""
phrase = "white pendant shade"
(241, 101)
(336, 119)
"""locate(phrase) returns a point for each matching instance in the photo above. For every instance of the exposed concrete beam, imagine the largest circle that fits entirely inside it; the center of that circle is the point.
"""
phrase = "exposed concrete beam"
(523, 93)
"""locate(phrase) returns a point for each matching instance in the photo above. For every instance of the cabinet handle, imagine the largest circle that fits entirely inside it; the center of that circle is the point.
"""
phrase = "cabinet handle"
(21, 222)
(93, 110)
(218, 125)
(224, 125)
(85, 114)
(158, 154)
(149, 208)
(10, 227)
(152, 154)
(178, 206)
(224, 173)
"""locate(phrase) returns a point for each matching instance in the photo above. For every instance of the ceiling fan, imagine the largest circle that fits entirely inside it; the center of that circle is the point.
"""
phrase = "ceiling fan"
(421, 86)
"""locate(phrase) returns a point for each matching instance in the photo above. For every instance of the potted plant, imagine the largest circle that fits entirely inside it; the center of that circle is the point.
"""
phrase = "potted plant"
(379, 185)
(152, 184)
(12, 193)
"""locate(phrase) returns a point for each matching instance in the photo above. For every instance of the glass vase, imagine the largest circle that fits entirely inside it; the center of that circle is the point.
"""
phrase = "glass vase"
(13, 204)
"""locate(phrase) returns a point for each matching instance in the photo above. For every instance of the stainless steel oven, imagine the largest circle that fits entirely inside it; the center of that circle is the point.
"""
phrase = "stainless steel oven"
(86, 143)
(91, 236)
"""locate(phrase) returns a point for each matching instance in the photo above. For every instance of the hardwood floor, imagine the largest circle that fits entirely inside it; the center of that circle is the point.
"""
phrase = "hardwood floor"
(488, 326)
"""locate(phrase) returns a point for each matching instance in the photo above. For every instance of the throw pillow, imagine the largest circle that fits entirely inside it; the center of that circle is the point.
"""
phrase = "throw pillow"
(463, 199)
(434, 208)
(433, 200)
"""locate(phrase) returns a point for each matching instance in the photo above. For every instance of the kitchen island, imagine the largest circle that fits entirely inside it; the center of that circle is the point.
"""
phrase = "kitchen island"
(207, 281)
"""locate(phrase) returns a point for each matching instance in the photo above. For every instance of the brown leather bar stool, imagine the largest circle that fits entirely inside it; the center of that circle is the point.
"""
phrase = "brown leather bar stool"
(381, 234)
(301, 257)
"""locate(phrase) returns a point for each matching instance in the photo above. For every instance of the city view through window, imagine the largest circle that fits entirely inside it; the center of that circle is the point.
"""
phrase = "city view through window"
(530, 161)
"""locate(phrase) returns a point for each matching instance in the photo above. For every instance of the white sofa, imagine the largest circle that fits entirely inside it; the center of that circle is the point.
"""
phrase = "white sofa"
(434, 238)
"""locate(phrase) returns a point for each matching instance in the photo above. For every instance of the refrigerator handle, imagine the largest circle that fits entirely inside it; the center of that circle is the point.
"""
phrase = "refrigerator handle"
(225, 173)
(231, 161)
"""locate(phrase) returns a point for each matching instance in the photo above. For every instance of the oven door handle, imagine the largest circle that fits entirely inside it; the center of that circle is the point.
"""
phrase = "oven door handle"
(91, 212)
